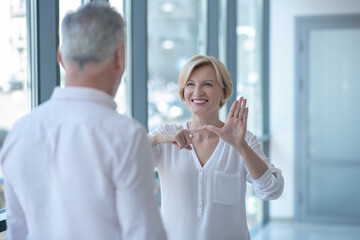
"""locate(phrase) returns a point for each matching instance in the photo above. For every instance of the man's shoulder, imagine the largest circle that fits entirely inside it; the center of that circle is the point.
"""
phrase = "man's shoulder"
(120, 120)
(25, 121)
(121, 125)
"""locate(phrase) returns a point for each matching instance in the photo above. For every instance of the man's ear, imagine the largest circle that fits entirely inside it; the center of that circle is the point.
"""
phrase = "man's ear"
(120, 56)
(59, 59)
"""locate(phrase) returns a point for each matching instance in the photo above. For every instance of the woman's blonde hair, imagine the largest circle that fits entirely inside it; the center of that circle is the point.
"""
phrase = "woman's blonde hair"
(222, 74)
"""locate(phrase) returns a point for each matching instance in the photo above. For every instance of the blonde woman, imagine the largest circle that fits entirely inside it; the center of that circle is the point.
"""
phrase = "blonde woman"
(204, 164)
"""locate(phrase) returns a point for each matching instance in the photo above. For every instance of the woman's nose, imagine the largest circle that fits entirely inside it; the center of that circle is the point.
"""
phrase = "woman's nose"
(198, 90)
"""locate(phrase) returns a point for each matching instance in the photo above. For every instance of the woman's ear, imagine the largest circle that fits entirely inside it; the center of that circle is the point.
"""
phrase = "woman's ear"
(224, 96)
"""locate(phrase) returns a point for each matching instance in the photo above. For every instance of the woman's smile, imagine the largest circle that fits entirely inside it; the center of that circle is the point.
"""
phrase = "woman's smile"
(199, 101)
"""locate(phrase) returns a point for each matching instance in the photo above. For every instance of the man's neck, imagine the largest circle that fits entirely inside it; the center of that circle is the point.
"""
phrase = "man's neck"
(98, 76)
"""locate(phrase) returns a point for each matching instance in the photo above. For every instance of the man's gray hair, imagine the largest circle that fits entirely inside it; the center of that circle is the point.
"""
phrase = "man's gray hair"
(92, 33)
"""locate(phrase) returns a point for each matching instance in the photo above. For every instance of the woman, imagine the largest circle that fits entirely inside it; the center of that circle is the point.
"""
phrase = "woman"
(204, 164)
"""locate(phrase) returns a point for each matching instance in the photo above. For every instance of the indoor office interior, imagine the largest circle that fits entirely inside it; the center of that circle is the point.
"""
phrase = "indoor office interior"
(296, 61)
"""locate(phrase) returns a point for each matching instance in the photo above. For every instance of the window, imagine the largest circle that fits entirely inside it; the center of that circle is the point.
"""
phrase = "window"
(249, 37)
(175, 34)
(168, 51)
(121, 98)
(249, 82)
(71, 5)
(64, 7)
(15, 97)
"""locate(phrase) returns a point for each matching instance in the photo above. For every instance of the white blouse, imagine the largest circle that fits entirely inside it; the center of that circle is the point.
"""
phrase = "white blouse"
(208, 202)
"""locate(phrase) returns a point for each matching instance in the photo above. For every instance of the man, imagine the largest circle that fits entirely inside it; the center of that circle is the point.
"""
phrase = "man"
(74, 168)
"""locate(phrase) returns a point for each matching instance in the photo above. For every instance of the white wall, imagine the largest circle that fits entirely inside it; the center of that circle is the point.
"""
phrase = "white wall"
(282, 31)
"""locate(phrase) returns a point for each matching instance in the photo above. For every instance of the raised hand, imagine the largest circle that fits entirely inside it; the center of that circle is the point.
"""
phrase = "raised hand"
(234, 130)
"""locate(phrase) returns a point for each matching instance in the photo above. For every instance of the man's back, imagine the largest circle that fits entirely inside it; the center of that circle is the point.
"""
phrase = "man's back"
(88, 168)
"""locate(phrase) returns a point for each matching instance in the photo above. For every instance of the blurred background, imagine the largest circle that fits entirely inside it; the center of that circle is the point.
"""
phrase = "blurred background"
(296, 61)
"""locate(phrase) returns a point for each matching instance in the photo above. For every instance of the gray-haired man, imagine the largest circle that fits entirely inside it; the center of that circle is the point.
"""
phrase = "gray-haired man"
(74, 168)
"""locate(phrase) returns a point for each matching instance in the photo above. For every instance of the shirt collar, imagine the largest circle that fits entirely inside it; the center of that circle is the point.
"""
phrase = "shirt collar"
(84, 94)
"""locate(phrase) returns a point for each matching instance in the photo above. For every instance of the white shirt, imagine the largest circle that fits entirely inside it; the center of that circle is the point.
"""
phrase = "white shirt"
(204, 203)
(76, 169)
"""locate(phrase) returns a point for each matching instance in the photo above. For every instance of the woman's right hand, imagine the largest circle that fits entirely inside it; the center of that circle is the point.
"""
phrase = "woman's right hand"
(181, 138)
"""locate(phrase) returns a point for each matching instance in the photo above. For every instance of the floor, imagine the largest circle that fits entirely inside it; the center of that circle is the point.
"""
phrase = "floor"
(296, 231)
(308, 231)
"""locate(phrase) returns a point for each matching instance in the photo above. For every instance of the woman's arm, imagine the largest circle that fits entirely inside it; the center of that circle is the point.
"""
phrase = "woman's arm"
(233, 132)
(256, 166)
(268, 183)
(154, 140)
(181, 138)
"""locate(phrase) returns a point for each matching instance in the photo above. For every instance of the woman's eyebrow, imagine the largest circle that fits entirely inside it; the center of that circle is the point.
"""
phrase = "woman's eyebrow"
(209, 80)
(206, 80)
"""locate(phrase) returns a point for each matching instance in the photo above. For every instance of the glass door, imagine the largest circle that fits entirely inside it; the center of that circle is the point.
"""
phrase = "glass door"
(328, 98)
(250, 85)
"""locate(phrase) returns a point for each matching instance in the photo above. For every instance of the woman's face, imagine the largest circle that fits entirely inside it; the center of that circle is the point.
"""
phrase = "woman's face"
(202, 91)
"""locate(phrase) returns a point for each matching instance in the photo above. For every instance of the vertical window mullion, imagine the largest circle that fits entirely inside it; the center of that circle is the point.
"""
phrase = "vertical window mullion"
(32, 46)
(231, 47)
(138, 59)
(47, 21)
(265, 92)
(212, 16)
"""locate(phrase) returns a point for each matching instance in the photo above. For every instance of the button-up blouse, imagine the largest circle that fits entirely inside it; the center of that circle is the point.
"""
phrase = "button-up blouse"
(208, 202)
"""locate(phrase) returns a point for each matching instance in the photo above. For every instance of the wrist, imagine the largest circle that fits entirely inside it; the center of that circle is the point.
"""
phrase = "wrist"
(242, 147)
(154, 140)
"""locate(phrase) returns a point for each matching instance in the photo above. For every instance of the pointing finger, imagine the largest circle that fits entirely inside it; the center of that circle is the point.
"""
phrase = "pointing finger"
(192, 131)
(214, 129)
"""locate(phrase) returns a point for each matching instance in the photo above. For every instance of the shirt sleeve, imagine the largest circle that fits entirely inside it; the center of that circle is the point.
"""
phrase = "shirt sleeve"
(271, 184)
(157, 148)
(133, 177)
(15, 217)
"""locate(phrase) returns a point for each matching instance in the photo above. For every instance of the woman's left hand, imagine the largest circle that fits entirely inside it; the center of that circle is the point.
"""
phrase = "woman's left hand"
(234, 130)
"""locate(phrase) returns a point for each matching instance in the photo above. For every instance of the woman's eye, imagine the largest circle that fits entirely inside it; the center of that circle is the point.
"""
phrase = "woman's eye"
(190, 84)
(208, 84)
